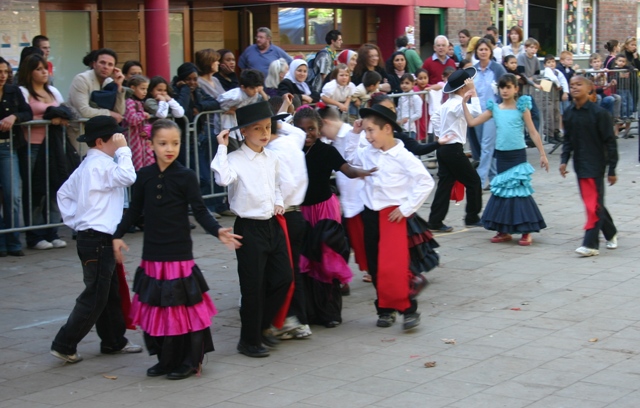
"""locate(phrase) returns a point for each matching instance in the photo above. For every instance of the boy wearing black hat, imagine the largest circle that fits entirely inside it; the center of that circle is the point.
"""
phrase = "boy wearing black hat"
(91, 202)
(264, 264)
(453, 164)
(391, 197)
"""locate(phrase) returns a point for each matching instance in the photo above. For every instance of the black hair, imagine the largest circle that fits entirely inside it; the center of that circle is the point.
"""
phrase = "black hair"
(448, 71)
(25, 78)
(611, 45)
(371, 78)
(402, 41)
(329, 112)
(38, 39)
(90, 58)
(493, 29)
(307, 112)
(389, 67)
(491, 38)
(622, 55)
(155, 81)
(420, 71)
(507, 79)
(105, 139)
(508, 58)
(10, 78)
(162, 124)
(463, 62)
(407, 77)
(130, 64)
(26, 52)
(549, 57)
(275, 102)
(332, 36)
(377, 98)
(251, 78)
(106, 51)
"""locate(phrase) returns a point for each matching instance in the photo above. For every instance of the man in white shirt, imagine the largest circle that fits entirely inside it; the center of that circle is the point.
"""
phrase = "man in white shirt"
(91, 202)
(453, 164)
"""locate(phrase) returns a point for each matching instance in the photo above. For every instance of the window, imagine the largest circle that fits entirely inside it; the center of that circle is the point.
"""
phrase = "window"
(578, 26)
(308, 26)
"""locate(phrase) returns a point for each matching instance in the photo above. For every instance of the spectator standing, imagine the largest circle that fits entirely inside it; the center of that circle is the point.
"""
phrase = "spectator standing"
(262, 53)
(324, 61)
(439, 60)
(413, 59)
(13, 109)
(227, 70)
(277, 71)
(516, 36)
(461, 50)
(370, 59)
(396, 68)
(42, 42)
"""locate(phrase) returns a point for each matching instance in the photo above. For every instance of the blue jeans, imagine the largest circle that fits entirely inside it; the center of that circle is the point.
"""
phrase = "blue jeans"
(99, 302)
(487, 136)
(10, 184)
(606, 102)
(627, 108)
(37, 214)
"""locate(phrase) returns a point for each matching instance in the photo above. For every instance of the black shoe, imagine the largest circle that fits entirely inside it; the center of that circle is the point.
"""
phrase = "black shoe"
(3, 254)
(181, 373)
(16, 253)
(386, 320)
(157, 370)
(442, 228)
(411, 321)
(345, 290)
(252, 351)
(332, 324)
(269, 339)
(192, 226)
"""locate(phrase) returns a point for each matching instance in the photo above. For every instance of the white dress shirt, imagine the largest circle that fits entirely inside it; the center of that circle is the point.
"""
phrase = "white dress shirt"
(293, 166)
(449, 119)
(401, 178)
(349, 188)
(338, 92)
(410, 107)
(93, 196)
(253, 179)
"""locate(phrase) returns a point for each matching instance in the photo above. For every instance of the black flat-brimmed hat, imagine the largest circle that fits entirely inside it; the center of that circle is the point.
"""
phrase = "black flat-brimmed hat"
(99, 126)
(250, 114)
(384, 113)
(456, 80)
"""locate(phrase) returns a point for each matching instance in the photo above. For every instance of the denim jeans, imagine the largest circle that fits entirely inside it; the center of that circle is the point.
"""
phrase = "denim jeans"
(10, 184)
(37, 214)
(487, 136)
(99, 303)
(627, 108)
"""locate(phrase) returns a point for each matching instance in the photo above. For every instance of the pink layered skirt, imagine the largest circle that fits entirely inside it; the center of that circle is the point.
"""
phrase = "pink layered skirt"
(170, 298)
(326, 253)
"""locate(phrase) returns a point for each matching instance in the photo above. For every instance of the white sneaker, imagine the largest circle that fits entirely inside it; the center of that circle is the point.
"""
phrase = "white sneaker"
(43, 245)
(613, 242)
(69, 358)
(58, 243)
(584, 251)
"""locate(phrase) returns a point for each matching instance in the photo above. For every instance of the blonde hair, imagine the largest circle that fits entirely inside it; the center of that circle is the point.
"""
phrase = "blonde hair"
(566, 53)
(273, 77)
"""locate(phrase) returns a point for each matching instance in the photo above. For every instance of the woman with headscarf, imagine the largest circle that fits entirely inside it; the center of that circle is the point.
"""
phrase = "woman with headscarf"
(349, 58)
(294, 82)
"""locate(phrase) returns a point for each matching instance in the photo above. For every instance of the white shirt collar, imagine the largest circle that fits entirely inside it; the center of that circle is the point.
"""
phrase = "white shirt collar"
(250, 153)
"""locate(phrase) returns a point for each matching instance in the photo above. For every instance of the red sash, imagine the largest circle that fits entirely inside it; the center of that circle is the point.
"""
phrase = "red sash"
(125, 299)
(589, 193)
(355, 230)
(393, 263)
(457, 192)
(278, 320)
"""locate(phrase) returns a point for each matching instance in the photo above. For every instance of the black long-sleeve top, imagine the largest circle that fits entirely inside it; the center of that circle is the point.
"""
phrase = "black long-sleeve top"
(13, 103)
(287, 86)
(415, 147)
(165, 198)
(588, 134)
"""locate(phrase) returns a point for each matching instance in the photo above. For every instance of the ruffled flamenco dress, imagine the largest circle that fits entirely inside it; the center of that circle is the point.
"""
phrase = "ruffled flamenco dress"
(174, 311)
(511, 208)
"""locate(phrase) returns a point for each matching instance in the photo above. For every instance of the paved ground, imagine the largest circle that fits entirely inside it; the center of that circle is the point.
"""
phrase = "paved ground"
(533, 327)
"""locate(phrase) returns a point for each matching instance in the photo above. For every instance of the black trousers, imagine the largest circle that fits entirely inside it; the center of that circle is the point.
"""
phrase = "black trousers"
(605, 222)
(99, 302)
(265, 274)
(297, 228)
(453, 165)
(371, 222)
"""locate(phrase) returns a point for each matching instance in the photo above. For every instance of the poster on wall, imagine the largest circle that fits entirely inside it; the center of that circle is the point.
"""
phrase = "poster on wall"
(571, 26)
(20, 21)
(586, 27)
(515, 12)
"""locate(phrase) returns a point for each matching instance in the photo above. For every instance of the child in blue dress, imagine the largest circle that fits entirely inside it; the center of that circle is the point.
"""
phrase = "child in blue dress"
(511, 208)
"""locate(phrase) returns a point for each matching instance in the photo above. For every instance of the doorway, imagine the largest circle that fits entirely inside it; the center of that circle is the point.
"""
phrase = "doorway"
(543, 25)
(429, 29)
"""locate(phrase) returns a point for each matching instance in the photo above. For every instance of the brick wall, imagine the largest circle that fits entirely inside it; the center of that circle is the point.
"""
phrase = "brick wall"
(476, 21)
(616, 20)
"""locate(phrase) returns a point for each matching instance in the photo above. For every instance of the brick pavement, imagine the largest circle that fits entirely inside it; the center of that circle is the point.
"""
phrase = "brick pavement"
(543, 355)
